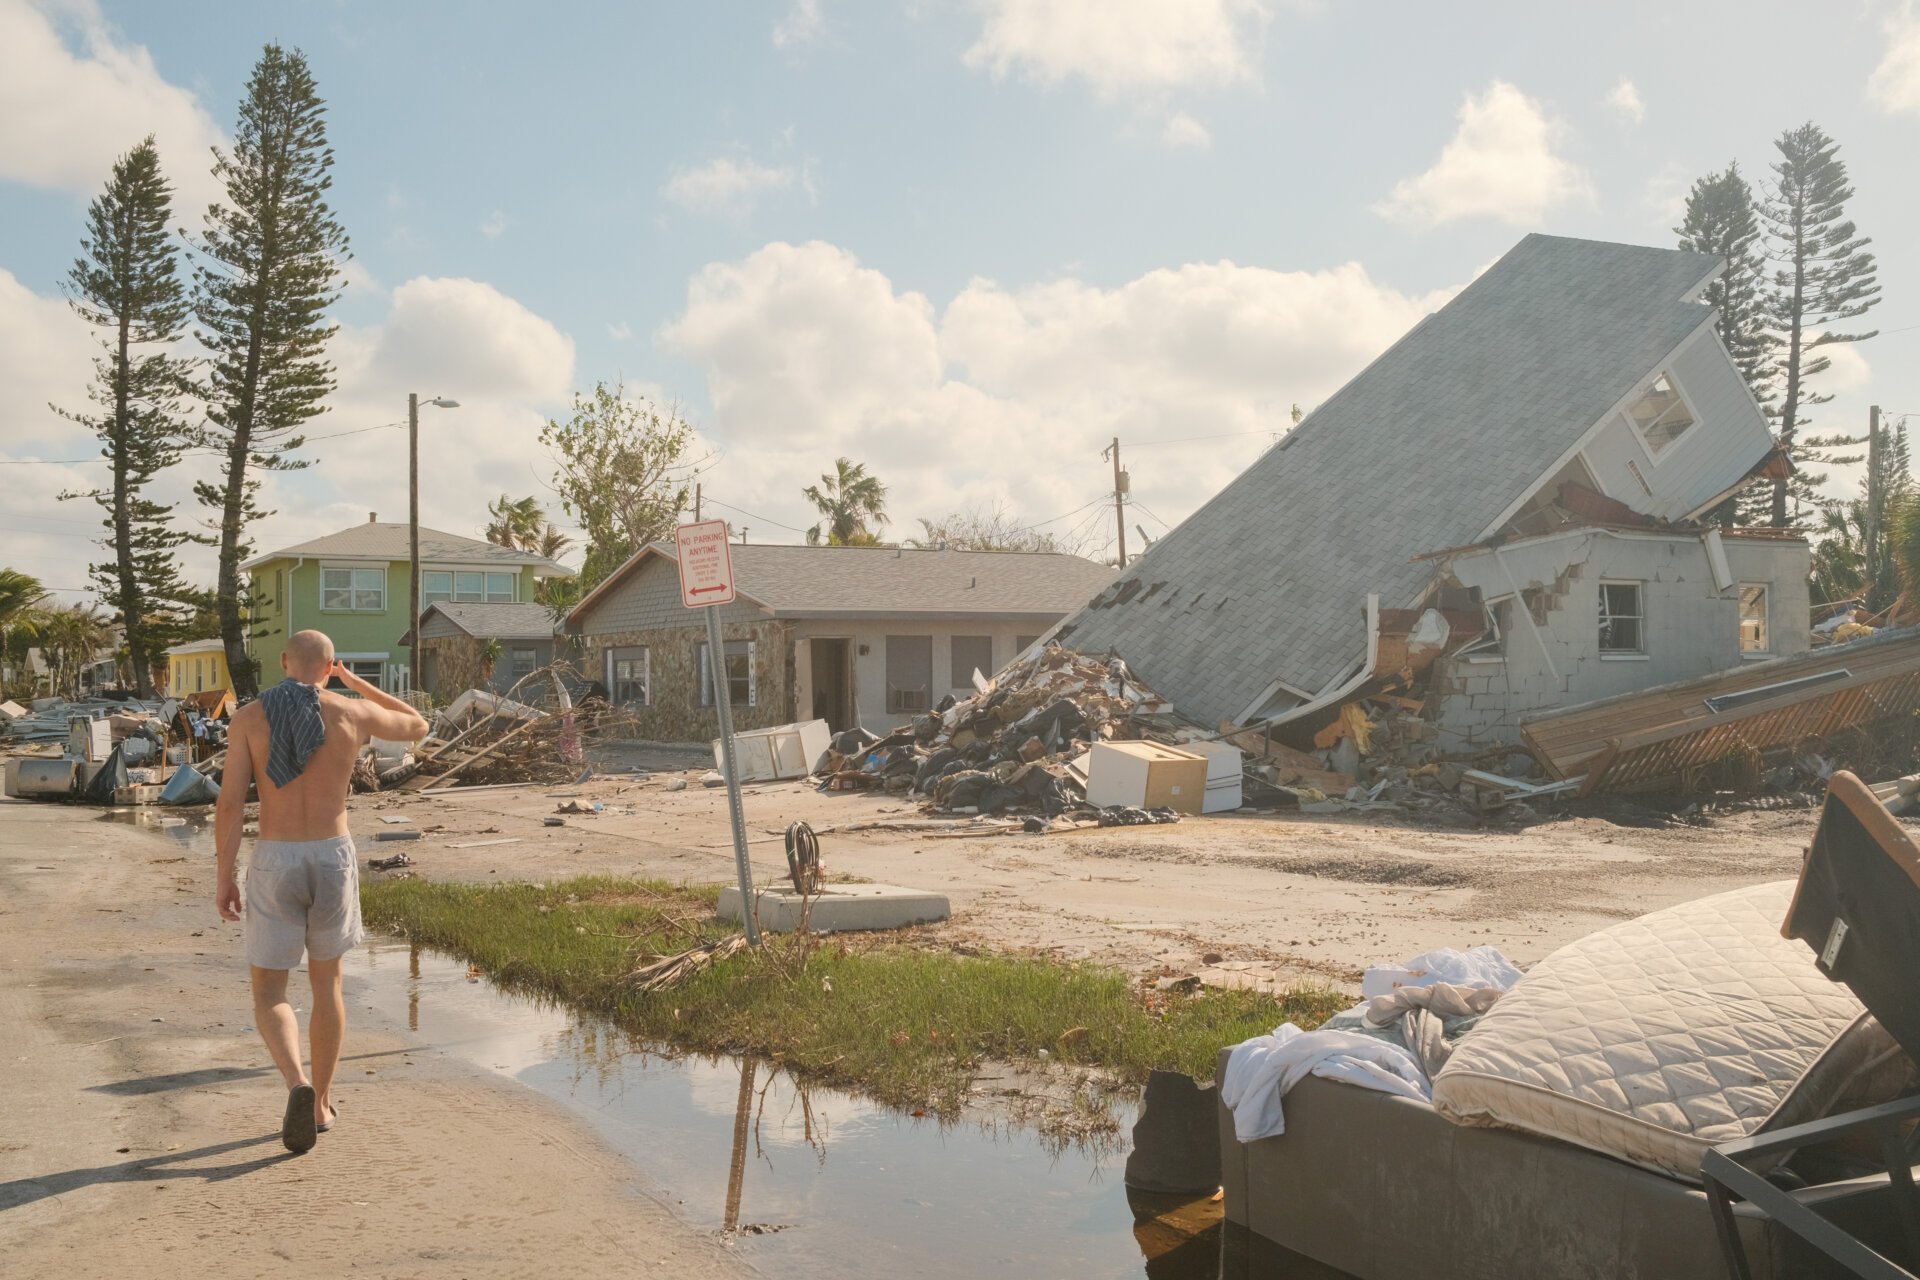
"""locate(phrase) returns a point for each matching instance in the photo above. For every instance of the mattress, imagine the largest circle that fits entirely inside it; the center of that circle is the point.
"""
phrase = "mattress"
(1655, 1039)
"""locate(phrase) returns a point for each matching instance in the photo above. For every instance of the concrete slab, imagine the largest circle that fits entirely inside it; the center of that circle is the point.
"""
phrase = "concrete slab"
(841, 908)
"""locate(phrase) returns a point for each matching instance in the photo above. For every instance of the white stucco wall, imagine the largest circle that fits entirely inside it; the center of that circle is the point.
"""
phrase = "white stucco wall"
(870, 668)
(1691, 628)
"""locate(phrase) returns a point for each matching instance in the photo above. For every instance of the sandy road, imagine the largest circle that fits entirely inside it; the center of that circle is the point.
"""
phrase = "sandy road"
(139, 1128)
(1313, 897)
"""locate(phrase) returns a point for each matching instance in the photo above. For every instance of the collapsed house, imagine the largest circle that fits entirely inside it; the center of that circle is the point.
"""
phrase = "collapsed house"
(1513, 499)
(855, 636)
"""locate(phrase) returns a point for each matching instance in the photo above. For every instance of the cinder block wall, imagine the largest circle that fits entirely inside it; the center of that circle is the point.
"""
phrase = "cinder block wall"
(1692, 627)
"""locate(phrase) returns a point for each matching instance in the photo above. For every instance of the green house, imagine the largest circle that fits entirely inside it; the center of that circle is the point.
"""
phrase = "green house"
(353, 586)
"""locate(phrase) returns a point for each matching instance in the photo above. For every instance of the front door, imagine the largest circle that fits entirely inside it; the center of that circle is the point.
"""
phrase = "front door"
(832, 682)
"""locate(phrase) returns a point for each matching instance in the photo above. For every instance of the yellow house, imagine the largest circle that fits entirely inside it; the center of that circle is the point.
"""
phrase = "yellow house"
(196, 667)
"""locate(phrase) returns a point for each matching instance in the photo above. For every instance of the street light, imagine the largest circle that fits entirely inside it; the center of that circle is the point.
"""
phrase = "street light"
(413, 528)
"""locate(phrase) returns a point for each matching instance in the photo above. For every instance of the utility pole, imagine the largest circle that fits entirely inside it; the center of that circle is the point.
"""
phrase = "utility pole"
(1120, 484)
(1876, 507)
(696, 502)
(413, 540)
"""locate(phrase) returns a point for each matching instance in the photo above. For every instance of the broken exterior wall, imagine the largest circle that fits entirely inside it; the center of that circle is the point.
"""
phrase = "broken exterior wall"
(673, 712)
(1692, 627)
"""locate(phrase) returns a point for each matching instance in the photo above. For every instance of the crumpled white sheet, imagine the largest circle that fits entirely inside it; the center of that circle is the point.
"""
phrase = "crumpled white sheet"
(1261, 1070)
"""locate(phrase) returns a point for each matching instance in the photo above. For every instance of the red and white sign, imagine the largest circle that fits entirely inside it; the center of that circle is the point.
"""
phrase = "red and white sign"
(706, 564)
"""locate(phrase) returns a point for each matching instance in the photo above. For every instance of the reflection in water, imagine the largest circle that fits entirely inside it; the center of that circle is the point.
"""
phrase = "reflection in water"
(191, 828)
(893, 1196)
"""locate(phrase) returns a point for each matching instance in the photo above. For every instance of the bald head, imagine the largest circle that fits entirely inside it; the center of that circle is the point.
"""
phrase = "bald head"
(308, 656)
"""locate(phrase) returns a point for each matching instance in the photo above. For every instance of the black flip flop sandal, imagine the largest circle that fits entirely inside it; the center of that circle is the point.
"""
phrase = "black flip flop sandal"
(297, 1130)
(333, 1115)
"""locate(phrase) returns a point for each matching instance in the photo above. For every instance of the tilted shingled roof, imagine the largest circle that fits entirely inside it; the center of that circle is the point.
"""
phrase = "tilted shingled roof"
(387, 540)
(1423, 450)
(889, 582)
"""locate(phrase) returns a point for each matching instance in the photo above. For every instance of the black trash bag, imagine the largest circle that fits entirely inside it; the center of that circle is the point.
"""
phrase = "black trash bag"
(995, 797)
(904, 764)
(112, 777)
(851, 742)
(944, 705)
(977, 752)
(1034, 826)
(933, 766)
(1062, 717)
(1120, 815)
(966, 789)
(925, 728)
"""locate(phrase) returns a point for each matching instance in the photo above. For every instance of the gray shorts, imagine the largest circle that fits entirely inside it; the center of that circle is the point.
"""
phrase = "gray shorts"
(301, 895)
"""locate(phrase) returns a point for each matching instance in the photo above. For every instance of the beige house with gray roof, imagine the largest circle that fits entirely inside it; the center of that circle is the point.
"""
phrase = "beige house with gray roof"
(851, 635)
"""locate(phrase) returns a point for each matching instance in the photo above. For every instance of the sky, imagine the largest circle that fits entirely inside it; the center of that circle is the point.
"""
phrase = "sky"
(965, 242)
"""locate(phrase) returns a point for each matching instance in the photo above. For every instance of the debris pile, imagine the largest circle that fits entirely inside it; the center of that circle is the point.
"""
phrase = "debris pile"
(1012, 745)
(486, 740)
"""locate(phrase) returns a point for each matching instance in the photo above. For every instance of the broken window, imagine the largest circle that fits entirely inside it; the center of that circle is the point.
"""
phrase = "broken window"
(628, 676)
(909, 673)
(971, 654)
(1753, 617)
(738, 656)
(1623, 622)
(1660, 415)
(1493, 643)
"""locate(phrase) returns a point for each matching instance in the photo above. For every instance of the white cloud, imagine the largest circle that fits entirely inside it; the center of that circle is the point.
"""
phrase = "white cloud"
(1664, 195)
(727, 185)
(1894, 86)
(70, 112)
(802, 24)
(495, 223)
(1120, 46)
(1182, 130)
(1009, 394)
(620, 331)
(509, 368)
(1500, 164)
(1625, 99)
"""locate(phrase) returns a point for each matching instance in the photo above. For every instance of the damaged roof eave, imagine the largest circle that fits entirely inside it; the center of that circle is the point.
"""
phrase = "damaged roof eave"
(1328, 696)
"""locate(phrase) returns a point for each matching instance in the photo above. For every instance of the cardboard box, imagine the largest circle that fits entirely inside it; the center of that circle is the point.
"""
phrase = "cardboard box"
(1146, 775)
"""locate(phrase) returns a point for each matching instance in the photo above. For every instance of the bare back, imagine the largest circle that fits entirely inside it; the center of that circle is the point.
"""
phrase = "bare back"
(314, 805)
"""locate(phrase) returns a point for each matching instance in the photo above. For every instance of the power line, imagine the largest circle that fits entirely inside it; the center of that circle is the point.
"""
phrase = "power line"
(188, 453)
(1149, 511)
(743, 511)
(1224, 435)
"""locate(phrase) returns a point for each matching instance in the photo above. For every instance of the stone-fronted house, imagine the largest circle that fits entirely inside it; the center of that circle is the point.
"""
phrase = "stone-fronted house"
(454, 641)
(1536, 463)
(868, 636)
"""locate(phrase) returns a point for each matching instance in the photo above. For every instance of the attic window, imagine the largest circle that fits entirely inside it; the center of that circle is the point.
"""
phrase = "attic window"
(1493, 642)
(1660, 415)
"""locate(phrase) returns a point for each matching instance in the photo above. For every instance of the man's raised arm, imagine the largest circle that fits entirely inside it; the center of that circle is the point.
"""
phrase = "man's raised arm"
(382, 715)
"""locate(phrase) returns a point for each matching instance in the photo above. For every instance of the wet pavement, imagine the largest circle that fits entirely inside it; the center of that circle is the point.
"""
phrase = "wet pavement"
(807, 1182)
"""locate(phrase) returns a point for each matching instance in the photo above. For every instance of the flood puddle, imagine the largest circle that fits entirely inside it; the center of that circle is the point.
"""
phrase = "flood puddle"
(190, 827)
(814, 1182)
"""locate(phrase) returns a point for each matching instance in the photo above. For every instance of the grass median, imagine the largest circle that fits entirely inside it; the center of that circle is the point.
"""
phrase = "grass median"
(908, 1024)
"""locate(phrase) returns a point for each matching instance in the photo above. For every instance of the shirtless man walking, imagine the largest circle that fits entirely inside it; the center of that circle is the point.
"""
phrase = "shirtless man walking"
(299, 743)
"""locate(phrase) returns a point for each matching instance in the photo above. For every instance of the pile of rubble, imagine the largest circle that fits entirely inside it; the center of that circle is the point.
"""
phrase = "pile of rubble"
(1010, 747)
(486, 739)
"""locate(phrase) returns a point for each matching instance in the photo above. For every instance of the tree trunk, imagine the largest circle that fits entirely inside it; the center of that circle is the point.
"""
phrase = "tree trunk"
(130, 612)
(1790, 409)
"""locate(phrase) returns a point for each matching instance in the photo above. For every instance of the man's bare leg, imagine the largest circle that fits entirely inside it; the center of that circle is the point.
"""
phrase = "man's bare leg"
(279, 1025)
(327, 1028)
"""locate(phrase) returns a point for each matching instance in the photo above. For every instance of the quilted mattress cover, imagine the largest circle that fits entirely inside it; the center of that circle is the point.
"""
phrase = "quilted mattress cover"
(1655, 1039)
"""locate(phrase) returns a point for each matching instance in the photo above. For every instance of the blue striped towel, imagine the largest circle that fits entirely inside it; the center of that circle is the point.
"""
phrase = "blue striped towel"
(294, 728)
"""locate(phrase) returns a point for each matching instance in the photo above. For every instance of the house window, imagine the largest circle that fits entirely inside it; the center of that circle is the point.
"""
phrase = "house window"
(1623, 621)
(372, 670)
(971, 654)
(629, 677)
(741, 690)
(500, 588)
(435, 585)
(360, 590)
(1493, 644)
(1660, 415)
(468, 587)
(909, 673)
(1753, 618)
(522, 661)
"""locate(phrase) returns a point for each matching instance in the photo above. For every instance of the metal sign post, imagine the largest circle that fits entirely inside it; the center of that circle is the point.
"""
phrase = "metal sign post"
(706, 582)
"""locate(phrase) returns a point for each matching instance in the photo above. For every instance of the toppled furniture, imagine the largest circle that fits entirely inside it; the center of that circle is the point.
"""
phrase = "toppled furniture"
(1568, 1127)
(1857, 906)
(1649, 740)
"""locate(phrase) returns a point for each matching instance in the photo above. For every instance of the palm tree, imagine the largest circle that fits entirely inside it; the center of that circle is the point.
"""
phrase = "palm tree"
(848, 500)
(514, 522)
(71, 636)
(22, 610)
